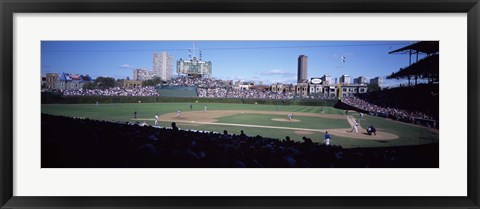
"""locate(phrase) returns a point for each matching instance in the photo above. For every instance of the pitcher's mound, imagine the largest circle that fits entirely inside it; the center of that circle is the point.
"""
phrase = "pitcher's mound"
(285, 120)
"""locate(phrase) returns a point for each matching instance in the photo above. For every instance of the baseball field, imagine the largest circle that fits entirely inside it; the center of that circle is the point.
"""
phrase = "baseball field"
(255, 119)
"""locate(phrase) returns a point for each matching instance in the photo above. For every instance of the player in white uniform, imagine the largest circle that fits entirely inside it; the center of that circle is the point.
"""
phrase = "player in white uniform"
(361, 115)
(290, 116)
(179, 113)
(205, 108)
(355, 127)
(156, 118)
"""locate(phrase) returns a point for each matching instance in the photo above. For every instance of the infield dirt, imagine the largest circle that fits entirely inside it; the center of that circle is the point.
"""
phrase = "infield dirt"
(210, 118)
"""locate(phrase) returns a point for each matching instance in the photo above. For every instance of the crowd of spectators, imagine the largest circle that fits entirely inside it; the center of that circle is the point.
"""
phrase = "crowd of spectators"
(394, 113)
(421, 99)
(205, 87)
(252, 94)
(196, 82)
(318, 96)
(115, 91)
(249, 94)
(210, 87)
(85, 143)
(258, 94)
(212, 92)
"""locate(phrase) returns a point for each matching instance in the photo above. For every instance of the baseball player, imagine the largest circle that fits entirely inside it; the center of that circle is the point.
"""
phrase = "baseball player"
(361, 115)
(290, 116)
(179, 113)
(355, 127)
(327, 138)
(156, 118)
(371, 130)
(205, 108)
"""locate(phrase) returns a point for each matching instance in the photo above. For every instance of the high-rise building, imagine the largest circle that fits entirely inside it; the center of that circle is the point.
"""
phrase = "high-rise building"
(345, 79)
(302, 69)
(163, 65)
(377, 81)
(327, 79)
(360, 80)
(142, 74)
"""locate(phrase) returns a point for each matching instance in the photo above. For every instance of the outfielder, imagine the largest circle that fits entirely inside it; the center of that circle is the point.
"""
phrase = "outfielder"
(205, 108)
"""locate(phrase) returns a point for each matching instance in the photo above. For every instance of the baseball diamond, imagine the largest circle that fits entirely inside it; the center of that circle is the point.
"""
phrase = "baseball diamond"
(262, 120)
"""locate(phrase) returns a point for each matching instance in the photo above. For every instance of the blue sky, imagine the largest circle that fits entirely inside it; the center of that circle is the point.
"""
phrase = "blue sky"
(267, 61)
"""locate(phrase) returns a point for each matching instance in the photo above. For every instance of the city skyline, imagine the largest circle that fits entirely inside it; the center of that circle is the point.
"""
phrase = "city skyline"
(265, 61)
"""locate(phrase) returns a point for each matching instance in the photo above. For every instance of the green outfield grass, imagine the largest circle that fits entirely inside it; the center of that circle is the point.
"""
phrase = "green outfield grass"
(409, 135)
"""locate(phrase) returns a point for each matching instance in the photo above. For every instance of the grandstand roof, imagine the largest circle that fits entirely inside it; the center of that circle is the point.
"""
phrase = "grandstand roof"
(428, 66)
(427, 47)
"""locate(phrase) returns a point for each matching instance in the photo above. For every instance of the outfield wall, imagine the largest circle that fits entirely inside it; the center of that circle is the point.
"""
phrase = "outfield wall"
(58, 99)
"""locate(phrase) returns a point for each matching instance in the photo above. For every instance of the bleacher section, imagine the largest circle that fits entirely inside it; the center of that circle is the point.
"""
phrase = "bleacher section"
(177, 91)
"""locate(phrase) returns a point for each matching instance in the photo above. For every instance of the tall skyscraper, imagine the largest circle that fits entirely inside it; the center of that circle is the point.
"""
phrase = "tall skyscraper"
(302, 69)
(163, 65)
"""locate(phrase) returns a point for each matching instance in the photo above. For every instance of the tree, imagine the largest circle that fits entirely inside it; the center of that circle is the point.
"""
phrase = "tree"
(89, 85)
(104, 82)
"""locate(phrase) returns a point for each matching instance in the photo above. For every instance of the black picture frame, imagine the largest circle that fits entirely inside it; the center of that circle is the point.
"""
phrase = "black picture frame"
(10, 7)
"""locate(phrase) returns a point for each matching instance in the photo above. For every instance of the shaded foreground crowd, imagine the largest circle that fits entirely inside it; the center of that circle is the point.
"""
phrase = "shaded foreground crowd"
(84, 143)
